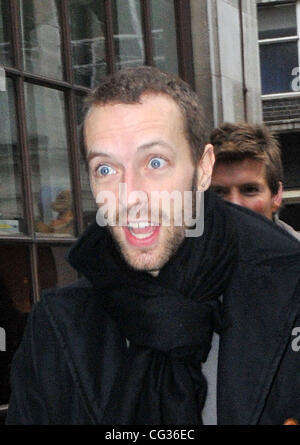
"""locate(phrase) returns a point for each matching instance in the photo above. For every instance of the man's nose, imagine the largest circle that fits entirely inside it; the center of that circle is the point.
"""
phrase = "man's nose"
(133, 192)
(235, 197)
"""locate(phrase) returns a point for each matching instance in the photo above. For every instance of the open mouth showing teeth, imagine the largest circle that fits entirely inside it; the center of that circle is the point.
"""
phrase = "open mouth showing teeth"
(141, 230)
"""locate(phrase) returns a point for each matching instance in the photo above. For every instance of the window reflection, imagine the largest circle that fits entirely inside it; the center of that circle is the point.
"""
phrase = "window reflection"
(15, 303)
(164, 35)
(128, 34)
(11, 196)
(41, 37)
(51, 186)
(5, 34)
(88, 41)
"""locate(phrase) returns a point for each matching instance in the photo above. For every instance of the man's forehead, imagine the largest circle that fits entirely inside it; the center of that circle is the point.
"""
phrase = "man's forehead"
(246, 170)
(147, 100)
(156, 117)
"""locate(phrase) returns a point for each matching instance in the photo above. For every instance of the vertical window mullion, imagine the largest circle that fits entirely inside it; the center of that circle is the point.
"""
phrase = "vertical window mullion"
(71, 120)
(74, 160)
(147, 30)
(16, 26)
(66, 42)
(26, 171)
(110, 47)
(184, 40)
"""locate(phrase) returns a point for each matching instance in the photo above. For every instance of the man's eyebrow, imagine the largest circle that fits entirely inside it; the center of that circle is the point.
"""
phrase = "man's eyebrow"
(151, 144)
(220, 186)
(251, 184)
(94, 153)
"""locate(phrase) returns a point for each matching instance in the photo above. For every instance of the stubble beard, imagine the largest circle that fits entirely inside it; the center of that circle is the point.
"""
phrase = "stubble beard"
(150, 260)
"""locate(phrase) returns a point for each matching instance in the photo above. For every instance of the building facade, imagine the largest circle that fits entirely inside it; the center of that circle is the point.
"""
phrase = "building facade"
(51, 54)
(279, 46)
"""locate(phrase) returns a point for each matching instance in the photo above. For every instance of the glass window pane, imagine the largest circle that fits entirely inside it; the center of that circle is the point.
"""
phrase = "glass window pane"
(88, 41)
(290, 153)
(277, 21)
(11, 197)
(277, 62)
(88, 201)
(128, 35)
(5, 34)
(51, 186)
(164, 35)
(41, 37)
(54, 271)
(15, 303)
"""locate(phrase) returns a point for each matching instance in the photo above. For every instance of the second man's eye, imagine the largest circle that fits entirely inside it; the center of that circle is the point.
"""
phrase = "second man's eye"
(105, 170)
(156, 163)
(219, 190)
(250, 190)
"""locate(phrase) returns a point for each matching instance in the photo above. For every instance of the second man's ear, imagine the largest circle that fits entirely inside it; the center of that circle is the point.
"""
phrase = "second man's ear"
(277, 199)
(205, 167)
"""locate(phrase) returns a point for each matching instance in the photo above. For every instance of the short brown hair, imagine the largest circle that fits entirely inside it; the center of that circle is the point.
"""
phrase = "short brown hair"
(128, 85)
(240, 141)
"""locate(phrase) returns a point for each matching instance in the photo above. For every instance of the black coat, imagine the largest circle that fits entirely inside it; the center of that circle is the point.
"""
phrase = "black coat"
(65, 367)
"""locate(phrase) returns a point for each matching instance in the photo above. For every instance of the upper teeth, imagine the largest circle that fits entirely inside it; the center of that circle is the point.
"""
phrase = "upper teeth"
(140, 225)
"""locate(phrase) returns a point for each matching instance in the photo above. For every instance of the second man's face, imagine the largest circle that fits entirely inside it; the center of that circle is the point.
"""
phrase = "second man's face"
(244, 183)
(141, 146)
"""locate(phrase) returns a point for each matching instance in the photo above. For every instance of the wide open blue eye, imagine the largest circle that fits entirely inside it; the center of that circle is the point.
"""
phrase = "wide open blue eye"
(105, 170)
(156, 163)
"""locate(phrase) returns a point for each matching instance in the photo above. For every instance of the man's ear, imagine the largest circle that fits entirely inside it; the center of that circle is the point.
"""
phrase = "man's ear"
(205, 168)
(277, 199)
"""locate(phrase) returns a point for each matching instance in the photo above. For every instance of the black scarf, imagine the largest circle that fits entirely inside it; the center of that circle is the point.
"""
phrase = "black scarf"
(168, 320)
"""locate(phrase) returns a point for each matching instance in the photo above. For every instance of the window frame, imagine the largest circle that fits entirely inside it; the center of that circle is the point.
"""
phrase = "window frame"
(70, 90)
(295, 38)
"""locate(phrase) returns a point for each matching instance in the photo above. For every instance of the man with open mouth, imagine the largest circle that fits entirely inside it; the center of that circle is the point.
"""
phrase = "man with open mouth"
(180, 317)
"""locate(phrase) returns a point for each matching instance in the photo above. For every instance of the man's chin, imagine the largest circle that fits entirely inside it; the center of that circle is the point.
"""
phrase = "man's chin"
(149, 259)
(144, 262)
